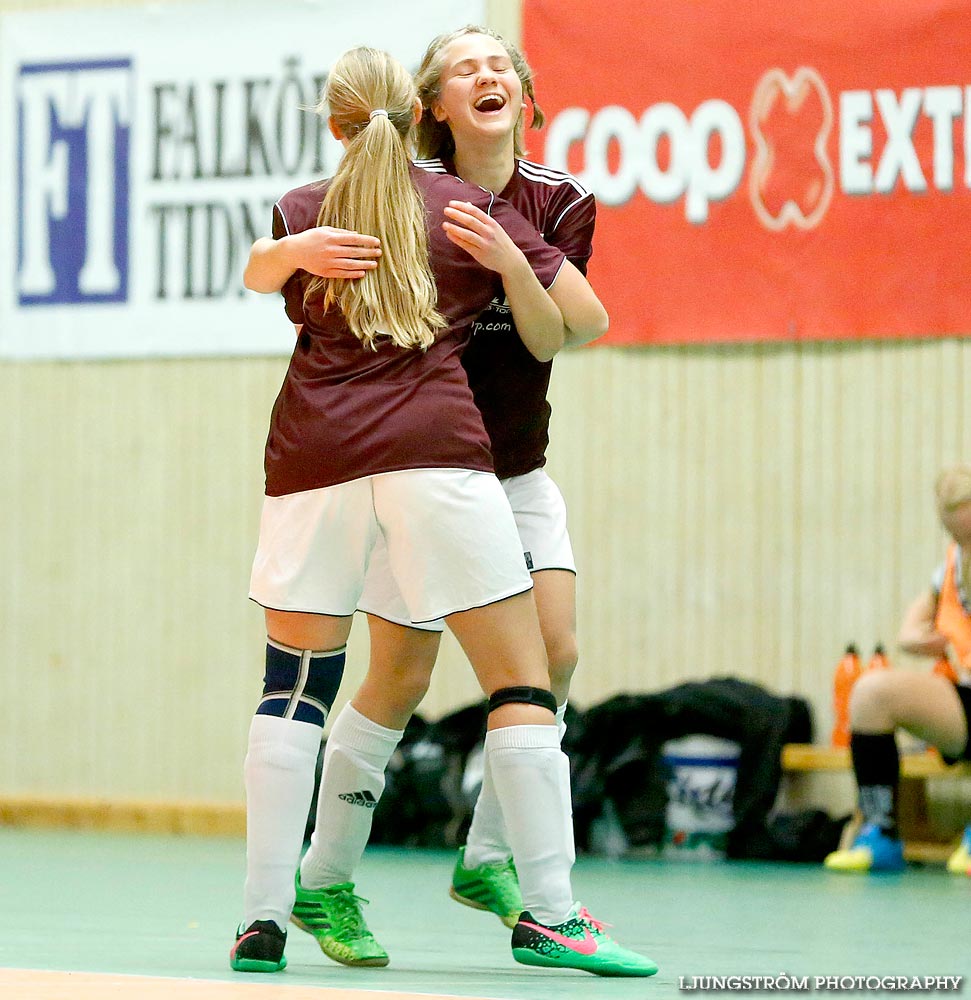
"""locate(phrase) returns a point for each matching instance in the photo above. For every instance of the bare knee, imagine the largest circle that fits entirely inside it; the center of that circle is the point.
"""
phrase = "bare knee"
(389, 695)
(872, 702)
(398, 675)
(411, 683)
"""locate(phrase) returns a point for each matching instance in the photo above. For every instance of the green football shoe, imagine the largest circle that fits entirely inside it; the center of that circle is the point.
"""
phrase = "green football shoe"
(577, 943)
(493, 887)
(333, 916)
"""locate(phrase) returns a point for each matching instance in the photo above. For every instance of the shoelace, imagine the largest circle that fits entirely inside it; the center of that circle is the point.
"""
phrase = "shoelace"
(349, 914)
(584, 914)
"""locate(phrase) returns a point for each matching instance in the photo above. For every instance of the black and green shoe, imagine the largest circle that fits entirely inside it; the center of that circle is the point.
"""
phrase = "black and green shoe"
(259, 948)
(577, 943)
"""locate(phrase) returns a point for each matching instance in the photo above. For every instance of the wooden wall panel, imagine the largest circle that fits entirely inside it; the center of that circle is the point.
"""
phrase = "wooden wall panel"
(735, 510)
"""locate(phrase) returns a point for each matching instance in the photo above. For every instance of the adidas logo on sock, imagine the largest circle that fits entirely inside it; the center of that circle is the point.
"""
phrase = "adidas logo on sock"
(364, 798)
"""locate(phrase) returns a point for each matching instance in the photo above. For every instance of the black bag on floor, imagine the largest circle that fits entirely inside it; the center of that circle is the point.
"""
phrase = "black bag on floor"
(423, 804)
(619, 756)
(807, 836)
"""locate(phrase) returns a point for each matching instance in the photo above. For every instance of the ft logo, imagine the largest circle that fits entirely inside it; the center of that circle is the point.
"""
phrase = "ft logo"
(74, 125)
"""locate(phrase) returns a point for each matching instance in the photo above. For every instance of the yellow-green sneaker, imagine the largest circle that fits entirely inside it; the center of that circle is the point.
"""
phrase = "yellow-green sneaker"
(493, 887)
(577, 943)
(333, 915)
(959, 863)
(873, 850)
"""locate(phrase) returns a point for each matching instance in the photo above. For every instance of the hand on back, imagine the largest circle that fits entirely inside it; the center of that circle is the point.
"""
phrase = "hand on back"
(335, 253)
(481, 236)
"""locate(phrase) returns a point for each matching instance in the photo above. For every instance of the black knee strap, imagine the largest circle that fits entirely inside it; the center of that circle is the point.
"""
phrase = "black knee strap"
(522, 696)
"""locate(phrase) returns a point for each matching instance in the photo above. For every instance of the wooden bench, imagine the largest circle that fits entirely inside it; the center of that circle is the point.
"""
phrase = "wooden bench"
(921, 841)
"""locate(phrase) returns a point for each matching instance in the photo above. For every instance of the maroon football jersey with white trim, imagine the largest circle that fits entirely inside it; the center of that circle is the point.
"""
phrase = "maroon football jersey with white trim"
(509, 384)
(346, 411)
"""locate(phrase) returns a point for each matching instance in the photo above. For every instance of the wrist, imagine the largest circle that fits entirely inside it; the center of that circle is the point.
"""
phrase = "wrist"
(288, 252)
(518, 269)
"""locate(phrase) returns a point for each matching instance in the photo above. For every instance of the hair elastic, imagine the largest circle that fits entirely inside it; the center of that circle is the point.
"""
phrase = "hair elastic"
(377, 111)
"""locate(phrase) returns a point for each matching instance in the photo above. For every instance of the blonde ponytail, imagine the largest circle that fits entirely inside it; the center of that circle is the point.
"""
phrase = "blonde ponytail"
(371, 97)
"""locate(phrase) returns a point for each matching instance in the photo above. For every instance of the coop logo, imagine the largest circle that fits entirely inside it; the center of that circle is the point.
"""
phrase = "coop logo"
(74, 124)
(668, 154)
(791, 119)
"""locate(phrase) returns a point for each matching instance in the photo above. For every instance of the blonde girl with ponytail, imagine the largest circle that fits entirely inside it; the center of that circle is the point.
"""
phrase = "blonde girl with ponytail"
(372, 193)
(375, 434)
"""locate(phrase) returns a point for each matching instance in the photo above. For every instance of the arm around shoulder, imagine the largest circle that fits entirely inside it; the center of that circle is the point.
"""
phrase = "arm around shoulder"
(269, 266)
(321, 250)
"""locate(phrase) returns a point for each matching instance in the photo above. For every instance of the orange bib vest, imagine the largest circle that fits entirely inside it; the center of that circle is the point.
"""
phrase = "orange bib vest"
(951, 619)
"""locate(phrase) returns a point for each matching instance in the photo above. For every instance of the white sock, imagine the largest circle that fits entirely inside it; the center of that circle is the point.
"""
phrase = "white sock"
(279, 771)
(357, 753)
(532, 781)
(487, 842)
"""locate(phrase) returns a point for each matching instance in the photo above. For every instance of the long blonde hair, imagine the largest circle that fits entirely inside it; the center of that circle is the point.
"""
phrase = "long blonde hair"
(434, 138)
(372, 193)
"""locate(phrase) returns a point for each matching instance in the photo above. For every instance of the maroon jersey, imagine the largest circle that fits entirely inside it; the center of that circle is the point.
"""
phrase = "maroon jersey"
(346, 411)
(509, 384)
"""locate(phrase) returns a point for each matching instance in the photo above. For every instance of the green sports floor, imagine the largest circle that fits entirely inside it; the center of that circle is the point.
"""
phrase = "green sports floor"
(168, 907)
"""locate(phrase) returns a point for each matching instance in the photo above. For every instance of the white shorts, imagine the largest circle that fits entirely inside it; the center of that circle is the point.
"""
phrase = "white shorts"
(540, 513)
(448, 537)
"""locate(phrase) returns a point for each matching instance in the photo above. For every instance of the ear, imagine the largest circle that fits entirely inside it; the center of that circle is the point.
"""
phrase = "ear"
(439, 112)
(527, 113)
(417, 111)
(335, 129)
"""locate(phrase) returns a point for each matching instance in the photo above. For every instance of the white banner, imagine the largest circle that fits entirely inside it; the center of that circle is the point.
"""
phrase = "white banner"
(141, 151)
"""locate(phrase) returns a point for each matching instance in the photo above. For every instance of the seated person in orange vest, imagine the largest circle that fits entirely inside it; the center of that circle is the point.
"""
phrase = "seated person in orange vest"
(935, 707)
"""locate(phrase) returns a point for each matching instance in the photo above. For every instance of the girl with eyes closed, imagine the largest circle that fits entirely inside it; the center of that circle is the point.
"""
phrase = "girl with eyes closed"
(472, 85)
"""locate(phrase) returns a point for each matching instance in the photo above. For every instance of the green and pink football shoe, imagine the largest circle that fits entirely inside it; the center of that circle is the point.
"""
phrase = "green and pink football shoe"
(577, 943)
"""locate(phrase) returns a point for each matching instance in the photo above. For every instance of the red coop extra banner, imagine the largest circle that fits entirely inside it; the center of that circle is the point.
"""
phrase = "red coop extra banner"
(771, 171)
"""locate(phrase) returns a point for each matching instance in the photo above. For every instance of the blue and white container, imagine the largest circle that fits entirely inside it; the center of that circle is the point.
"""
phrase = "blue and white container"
(701, 774)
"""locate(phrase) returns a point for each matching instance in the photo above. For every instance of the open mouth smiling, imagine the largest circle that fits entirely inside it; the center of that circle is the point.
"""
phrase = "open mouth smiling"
(490, 103)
